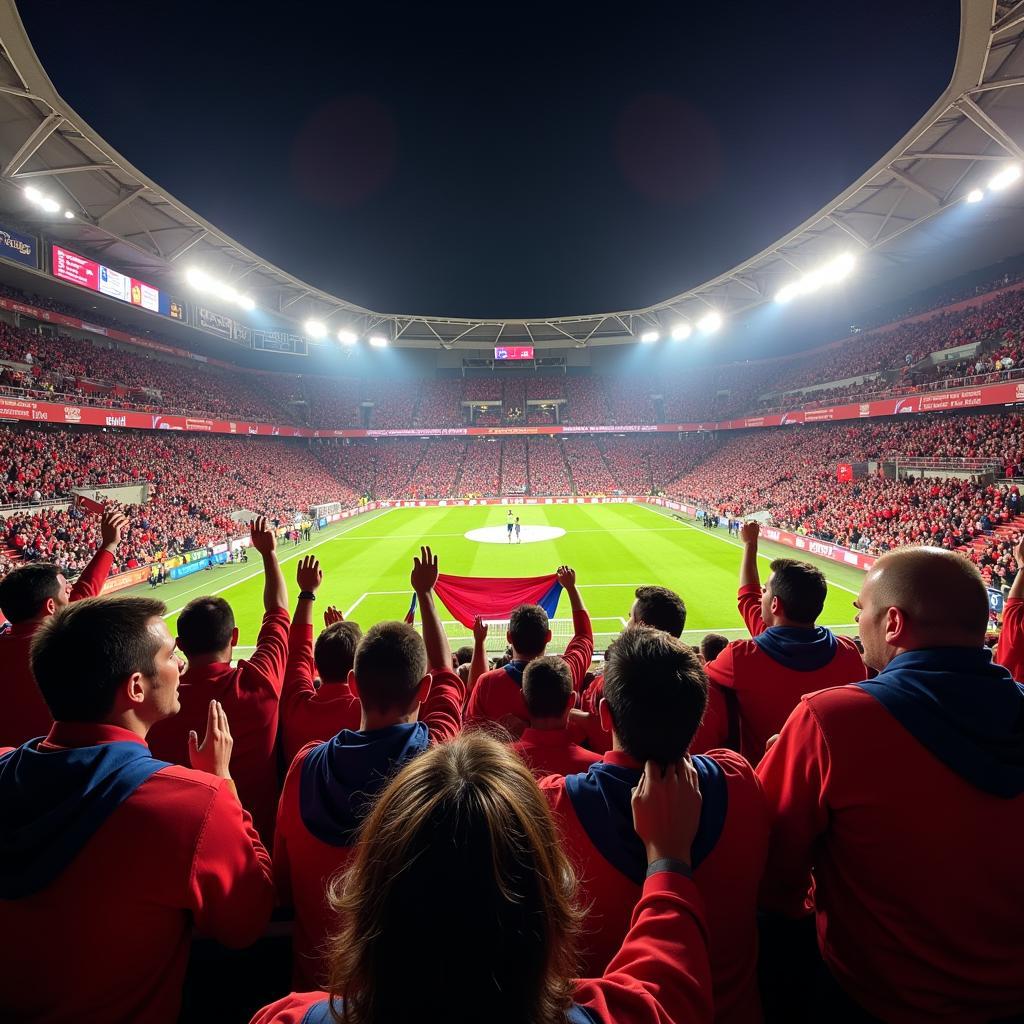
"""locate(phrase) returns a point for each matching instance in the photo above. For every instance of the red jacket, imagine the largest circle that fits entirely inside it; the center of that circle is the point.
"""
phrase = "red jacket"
(594, 816)
(767, 688)
(249, 693)
(917, 879)
(553, 752)
(321, 810)
(498, 694)
(23, 712)
(659, 976)
(308, 713)
(108, 939)
(1010, 649)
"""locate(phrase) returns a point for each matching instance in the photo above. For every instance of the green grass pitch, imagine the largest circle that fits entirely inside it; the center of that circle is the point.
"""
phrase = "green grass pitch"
(614, 548)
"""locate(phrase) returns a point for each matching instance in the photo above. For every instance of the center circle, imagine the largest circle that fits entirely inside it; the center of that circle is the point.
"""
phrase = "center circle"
(527, 534)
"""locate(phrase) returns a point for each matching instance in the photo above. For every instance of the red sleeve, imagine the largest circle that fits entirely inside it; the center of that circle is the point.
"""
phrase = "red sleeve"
(298, 672)
(1010, 649)
(722, 671)
(581, 647)
(592, 695)
(793, 774)
(231, 886)
(749, 601)
(266, 666)
(713, 731)
(290, 1010)
(442, 710)
(94, 575)
(477, 710)
(661, 974)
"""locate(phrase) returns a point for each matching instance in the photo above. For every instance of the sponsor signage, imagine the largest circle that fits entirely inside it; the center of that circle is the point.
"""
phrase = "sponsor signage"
(23, 249)
(513, 352)
(87, 273)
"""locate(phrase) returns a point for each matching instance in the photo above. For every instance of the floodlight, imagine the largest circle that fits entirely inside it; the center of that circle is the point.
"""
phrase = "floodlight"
(975, 195)
(246, 302)
(33, 195)
(49, 205)
(315, 328)
(1006, 177)
(379, 341)
(649, 336)
(681, 332)
(347, 337)
(68, 215)
(787, 292)
(710, 322)
(197, 278)
(842, 266)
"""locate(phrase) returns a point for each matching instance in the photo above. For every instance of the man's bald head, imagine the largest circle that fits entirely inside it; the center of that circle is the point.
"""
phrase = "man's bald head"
(921, 597)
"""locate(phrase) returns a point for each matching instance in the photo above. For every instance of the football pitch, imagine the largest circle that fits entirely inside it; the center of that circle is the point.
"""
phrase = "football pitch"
(614, 548)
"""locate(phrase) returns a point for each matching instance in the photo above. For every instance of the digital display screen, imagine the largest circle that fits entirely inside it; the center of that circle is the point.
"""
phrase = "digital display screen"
(513, 352)
(86, 273)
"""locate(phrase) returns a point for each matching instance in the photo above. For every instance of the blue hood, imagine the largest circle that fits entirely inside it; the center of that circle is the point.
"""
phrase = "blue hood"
(514, 670)
(801, 650)
(602, 800)
(961, 707)
(341, 778)
(52, 802)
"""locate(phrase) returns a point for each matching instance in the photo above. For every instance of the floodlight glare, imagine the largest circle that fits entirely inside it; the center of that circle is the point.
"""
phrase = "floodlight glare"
(68, 215)
(315, 328)
(33, 195)
(246, 302)
(710, 322)
(975, 195)
(49, 205)
(649, 336)
(347, 337)
(786, 292)
(379, 341)
(197, 278)
(842, 266)
(681, 332)
(1006, 177)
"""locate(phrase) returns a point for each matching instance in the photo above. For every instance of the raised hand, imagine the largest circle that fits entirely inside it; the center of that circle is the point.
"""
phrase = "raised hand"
(566, 575)
(424, 571)
(749, 532)
(666, 810)
(112, 527)
(308, 575)
(479, 630)
(214, 754)
(262, 536)
(332, 615)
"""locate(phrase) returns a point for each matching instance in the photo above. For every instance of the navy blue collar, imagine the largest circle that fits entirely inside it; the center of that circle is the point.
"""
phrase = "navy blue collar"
(964, 709)
(602, 800)
(798, 649)
(514, 669)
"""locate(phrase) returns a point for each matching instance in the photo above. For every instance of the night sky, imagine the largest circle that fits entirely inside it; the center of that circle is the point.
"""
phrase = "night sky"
(500, 160)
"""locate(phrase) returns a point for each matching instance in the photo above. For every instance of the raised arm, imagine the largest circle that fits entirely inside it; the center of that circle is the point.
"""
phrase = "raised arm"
(275, 590)
(749, 533)
(112, 527)
(298, 673)
(478, 666)
(580, 649)
(423, 578)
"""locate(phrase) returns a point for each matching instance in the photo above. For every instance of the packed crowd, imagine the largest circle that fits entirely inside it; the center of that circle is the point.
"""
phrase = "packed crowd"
(751, 830)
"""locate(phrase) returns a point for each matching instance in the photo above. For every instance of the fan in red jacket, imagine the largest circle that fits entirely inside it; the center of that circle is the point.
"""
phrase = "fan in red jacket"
(331, 785)
(249, 691)
(885, 791)
(458, 906)
(655, 691)
(110, 858)
(498, 695)
(28, 596)
(1010, 649)
(308, 713)
(787, 657)
(547, 746)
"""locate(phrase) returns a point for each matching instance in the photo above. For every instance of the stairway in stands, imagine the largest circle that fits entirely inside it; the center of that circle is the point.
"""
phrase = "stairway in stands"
(1005, 531)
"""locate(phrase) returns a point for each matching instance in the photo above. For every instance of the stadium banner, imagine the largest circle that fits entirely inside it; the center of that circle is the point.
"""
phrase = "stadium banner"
(996, 601)
(19, 248)
(126, 579)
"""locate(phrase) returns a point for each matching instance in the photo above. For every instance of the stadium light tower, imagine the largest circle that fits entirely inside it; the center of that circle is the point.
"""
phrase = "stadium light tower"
(649, 337)
(347, 337)
(378, 341)
(315, 329)
(710, 322)
(681, 332)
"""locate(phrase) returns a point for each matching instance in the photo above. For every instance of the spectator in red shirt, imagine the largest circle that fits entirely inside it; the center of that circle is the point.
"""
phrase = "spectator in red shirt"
(307, 712)
(249, 692)
(788, 656)
(655, 692)
(1010, 649)
(547, 746)
(106, 849)
(29, 595)
(459, 906)
(884, 790)
(331, 785)
(498, 694)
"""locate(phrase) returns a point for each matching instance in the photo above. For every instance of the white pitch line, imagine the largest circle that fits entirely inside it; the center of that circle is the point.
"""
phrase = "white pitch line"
(281, 561)
(356, 605)
(417, 538)
(737, 544)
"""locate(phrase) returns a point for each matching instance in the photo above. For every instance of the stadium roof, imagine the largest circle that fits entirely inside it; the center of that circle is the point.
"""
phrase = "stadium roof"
(962, 140)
